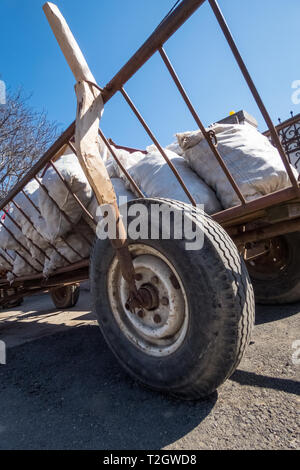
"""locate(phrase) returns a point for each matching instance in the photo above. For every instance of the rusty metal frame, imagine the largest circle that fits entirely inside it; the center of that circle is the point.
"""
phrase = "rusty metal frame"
(154, 44)
(289, 134)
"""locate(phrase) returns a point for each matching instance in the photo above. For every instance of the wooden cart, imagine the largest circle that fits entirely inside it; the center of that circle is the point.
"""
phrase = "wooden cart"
(179, 321)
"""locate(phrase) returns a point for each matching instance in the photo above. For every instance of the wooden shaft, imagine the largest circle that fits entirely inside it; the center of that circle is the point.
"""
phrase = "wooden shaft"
(89, 110)
(67, 43)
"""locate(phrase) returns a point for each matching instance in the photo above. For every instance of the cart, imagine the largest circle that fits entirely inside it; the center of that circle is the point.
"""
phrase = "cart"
(178, 321)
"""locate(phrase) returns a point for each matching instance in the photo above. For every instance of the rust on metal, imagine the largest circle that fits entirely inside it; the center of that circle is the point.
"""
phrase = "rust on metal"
(7, 254)
(22, 246)
(55, 147)
(30, 222)
(49, 243)
(161, 34)
(271, 231)
(157, 144)
(232, 215)
(128, 176)
(38, 279)
(289, 122)
(208, 135)
(75, 197)
(275, 138)
(31, 202)
(123, 147)
(229, 217)
(6, 261)
(66, 217)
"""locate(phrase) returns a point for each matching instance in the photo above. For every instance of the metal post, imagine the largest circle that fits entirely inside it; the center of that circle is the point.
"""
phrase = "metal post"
(159, 147)
(206, 134)
(226, 31)
(66, 217)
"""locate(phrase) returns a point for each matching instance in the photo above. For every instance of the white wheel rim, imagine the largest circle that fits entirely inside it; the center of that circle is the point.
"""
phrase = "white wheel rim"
(159, 331)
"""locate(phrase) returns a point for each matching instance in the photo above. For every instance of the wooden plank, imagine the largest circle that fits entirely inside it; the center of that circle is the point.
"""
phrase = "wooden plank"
(86, 143)
(67, 43)
(89, 108)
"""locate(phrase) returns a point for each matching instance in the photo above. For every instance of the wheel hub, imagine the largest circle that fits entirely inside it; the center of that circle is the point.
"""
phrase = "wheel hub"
(161, 318)
(149, 296)
(271, 263)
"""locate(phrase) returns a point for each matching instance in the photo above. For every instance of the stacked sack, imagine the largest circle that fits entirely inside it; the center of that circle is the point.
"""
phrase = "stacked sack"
(53, 231)
(20, 237)
(155, 178)
(48, 238)
(252, 160)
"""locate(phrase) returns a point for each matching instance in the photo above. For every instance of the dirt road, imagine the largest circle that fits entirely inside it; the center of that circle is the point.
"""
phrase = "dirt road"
(62, 388)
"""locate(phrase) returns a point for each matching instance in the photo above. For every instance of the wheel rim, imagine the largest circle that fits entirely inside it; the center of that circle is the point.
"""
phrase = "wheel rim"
(60, 294)
(160, 329)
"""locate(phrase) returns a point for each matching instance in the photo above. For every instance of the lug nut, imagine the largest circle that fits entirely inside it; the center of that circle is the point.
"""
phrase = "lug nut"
(141, 313)
(154, 279)
(138, 276)
(157, 318)
(165, 301)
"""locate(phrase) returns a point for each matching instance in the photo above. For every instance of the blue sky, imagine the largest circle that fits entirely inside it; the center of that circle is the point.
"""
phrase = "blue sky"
(109, 32)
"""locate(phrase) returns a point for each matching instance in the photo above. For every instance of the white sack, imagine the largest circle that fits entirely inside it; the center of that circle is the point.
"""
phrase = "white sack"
(252, 160)
(156, 179)
(37, 231)
(69, 167)
(8, 241)
(121, 192)
(173, 147)
(6, 261)
(21, 239)
(76, 241)
(109, 163)
(22, 268)
(127, 159)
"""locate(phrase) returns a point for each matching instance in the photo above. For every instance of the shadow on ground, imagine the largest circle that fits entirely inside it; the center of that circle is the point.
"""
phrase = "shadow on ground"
(272, 313)
(37, 317)
(263, 381)
(68, 391)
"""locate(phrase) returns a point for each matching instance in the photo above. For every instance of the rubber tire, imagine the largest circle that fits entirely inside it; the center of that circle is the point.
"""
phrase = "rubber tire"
(285, 288)
(70, 299)
(221, 311)
(13, 303)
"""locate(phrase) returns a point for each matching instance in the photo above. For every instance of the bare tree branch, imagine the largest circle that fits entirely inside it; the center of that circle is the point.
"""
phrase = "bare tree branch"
(25, 134)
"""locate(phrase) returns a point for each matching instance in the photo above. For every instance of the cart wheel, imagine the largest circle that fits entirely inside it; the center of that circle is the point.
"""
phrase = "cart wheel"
(201, 309)
(66, 296)
(276, 274)
(13, 303)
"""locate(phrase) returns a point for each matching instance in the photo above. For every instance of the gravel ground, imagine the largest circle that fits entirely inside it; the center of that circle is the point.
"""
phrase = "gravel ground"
(61, 388)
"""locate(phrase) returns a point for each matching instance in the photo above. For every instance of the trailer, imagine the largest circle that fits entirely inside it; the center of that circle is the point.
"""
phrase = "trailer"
(178, 321)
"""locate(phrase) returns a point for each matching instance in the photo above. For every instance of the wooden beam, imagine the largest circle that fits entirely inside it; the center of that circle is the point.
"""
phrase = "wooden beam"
(86, 143)
(89, 108)
(67, 43)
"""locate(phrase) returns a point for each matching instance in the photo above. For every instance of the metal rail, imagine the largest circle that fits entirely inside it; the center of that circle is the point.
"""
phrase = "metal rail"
(152, 45)
(206, 134)
(157, 144)
(74, 226)
(226, 31)
(49, 243)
